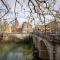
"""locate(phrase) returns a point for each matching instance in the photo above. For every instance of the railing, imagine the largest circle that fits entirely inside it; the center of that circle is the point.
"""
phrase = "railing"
(52, 37)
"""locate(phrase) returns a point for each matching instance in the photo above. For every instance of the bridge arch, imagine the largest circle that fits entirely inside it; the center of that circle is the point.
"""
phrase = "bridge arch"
(44, 54)
(38, 40)
(48, 46)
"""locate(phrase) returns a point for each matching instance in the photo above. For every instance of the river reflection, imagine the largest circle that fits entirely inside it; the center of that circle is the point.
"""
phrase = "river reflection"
(15, 56)
(13, 51)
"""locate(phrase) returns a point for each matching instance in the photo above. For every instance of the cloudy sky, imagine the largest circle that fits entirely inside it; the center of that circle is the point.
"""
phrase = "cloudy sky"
(22, 10)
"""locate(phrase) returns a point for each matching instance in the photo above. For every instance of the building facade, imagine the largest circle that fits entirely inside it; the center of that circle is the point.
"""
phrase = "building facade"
(26, 27)
(54, 26)
(15, 25)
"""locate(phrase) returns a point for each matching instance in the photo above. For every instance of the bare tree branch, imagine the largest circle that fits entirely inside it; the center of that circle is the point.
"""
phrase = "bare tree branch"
(6, 8)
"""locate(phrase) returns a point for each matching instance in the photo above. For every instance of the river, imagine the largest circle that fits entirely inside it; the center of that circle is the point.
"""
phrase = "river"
(16, 51)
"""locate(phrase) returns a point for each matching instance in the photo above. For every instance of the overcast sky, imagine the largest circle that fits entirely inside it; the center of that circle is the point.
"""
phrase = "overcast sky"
(22, 13)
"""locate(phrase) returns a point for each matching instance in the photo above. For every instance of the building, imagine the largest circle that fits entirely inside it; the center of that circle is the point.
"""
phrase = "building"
(1, 27)
(41, 28)
(54, 26)
(6, 27)
(26, 27)
(19, 29)
(15, 25)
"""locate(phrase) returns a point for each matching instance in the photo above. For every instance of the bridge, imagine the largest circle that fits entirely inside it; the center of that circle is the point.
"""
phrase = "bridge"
(47, 44)
(15, 36)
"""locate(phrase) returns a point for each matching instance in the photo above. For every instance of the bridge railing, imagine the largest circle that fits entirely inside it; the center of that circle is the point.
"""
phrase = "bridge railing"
(52, 37)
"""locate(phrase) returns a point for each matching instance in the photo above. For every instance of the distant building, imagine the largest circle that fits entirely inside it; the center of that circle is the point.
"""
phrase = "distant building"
(54, 26)
(26, 27)
(6, 27)
(1, 27)
(41, 28)
(19, 29)
(15, 25)
(38, 27)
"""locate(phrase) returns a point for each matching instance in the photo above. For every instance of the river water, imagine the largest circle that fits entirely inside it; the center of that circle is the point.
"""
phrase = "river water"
(13, 51)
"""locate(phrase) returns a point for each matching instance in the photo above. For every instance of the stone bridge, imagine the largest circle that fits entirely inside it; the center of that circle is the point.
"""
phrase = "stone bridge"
(47, 45)
(14, 36)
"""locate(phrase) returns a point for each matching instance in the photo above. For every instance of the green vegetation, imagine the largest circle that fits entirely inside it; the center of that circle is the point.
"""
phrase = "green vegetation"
(4, 47)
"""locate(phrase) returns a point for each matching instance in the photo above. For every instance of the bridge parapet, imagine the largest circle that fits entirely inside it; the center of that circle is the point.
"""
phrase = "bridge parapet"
(14, 36)
(49, 36)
